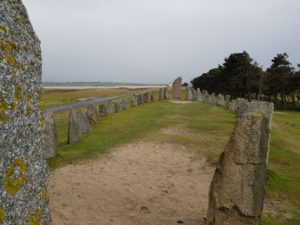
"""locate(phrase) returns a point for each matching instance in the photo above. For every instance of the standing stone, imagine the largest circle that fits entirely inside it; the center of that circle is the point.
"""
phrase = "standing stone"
(206, 97)
(241, 106)
(134, 101)
(227, 101)
(118, 107)
(50, 135)
(198, 95)
(237, 190)
(161, 94)
(146, 97)
(92, 114)
(165, 93)
(189, 94)
(23, 171)
(212, 100)
(176, 87)
(220, 100)
(105, 109)
(124, 104)
(79, 125)
(140, 99)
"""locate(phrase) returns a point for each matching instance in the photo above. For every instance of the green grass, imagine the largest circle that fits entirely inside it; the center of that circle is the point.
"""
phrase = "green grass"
(146, 121)
(211, 127)
(283, 182)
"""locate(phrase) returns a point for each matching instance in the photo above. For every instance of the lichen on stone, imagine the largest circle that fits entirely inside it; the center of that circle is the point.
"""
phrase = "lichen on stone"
(2, 215)
(44, 195)
(35, 217)
(15, 176)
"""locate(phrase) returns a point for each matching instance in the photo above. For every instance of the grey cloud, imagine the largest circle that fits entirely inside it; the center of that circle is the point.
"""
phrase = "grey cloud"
(154, 41)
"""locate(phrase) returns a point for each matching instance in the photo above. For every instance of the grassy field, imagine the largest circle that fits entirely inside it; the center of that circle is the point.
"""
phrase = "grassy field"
(210, 127)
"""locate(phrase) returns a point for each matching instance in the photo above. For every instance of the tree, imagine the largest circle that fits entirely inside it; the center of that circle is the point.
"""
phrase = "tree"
(279, 77)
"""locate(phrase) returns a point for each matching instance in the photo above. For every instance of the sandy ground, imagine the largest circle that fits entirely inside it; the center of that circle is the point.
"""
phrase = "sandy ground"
(138, 184)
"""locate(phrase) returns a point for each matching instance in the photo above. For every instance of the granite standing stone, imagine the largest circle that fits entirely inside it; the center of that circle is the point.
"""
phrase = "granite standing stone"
(79, 125)
(220, 100)
(237, 190)
(92, 114)
(50, 135)
(146, 97)
(176, 87)
(198, 95)
(140, 99)
(23, 171)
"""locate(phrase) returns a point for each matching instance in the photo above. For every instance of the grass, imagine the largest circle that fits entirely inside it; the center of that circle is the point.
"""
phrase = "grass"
(211, 127)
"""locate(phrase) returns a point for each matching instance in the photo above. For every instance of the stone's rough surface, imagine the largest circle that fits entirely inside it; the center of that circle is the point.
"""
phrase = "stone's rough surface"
(232, 106)
(79, 124)
(105, 109)
(198, 95)
(92, 114)
(50, 135)
(118, 107)
(23, 171)
(237, 189)
(176, 87)
(227, 101)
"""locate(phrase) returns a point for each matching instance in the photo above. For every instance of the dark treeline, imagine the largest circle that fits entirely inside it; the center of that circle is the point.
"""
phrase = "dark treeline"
(240, 76)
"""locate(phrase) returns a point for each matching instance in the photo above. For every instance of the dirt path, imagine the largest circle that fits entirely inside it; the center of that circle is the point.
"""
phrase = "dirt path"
(137, 184)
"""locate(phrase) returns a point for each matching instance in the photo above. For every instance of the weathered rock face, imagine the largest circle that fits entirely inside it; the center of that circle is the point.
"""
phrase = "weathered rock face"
(206, 97)
(23, 171)
(232, 106)
(212, 100)
(92, 114)
(50, 136)
(79, 124)
(237, 190)
(118, 107)
(176, 87)
(105, 109)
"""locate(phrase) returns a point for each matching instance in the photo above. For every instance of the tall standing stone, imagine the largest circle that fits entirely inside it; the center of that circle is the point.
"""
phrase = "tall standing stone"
(106, 109)
(146, 97)
(220, 100)
(140, 100)
(92, 114)
(118, 107)
(198, 95)
(227, 101)
(165, 93)
(50, 135)
(79, 125)
(237, 190)
(176, 87)
(189, 93)
(161, 94)
(23, 171)
(134, 100)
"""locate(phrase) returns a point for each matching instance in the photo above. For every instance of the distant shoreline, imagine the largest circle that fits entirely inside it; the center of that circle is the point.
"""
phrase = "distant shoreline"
(102, 87)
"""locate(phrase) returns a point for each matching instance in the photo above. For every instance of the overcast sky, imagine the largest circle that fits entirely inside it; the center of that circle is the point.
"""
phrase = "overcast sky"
(153, 41)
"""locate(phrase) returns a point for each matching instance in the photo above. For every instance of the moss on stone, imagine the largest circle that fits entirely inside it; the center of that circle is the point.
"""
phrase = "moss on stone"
(18, 93)
(14, 184)
(44, 195)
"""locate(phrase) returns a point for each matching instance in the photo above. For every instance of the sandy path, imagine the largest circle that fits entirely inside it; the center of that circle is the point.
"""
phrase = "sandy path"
(140, 183)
